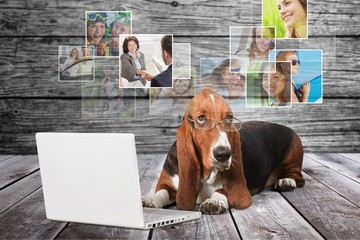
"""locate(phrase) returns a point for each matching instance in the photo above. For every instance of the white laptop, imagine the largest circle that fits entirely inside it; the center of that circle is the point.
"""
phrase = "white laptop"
(93, 178)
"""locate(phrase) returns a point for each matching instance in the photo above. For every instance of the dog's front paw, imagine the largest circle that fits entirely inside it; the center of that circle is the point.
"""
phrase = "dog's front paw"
(285, 184)
(150, 202)
(213, 206)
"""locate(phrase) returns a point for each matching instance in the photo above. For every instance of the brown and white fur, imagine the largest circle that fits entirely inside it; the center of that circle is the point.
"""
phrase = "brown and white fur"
(221, 169)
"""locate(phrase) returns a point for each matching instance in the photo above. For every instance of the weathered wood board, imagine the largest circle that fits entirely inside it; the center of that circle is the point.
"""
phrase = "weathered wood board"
(32, 99)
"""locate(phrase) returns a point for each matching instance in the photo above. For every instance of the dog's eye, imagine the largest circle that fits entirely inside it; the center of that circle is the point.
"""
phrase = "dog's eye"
(228, 119)
(201, 120)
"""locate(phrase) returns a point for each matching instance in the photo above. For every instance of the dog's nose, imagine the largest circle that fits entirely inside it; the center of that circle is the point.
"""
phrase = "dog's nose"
(221, 153)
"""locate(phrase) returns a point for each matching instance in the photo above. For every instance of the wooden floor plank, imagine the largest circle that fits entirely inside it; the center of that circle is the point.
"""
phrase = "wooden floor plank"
(27, 220)
(16, 168)
(343, 165)
(207, 227)
(339, 183)
(19, 190)
(5, 157)
(52, 18)
(353, 156)
(87, 231)
(150, 166)
(214, 227)
(331, 214)
(270, 216)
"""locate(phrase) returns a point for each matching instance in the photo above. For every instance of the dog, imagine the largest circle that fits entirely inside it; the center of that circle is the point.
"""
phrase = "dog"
(220, 165)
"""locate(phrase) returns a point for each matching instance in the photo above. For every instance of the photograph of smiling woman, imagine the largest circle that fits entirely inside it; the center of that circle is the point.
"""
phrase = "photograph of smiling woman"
(288, 16)
(294, 15)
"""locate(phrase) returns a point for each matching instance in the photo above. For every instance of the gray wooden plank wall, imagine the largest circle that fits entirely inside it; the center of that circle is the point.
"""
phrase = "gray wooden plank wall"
(32, 100)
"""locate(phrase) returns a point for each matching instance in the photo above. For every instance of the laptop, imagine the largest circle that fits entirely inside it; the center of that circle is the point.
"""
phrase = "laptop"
(93, 178)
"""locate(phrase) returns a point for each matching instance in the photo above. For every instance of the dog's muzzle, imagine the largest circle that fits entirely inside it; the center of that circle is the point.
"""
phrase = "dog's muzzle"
(223, 157)
(222, 154)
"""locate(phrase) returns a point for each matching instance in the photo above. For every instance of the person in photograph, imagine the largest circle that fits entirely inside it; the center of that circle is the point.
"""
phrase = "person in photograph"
(278, 85)
(294, 15)
(262, 41)
(73, 58)
(226, 82)
(301, 94)
(121, 25)
(96, 29)
(86, 67)
(172, 100)
(132, 60)
(110, 89)
(163, 79)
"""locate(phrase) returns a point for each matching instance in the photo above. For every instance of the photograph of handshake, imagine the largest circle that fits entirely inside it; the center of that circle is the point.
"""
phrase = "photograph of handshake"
(147, 76)
(144, 75)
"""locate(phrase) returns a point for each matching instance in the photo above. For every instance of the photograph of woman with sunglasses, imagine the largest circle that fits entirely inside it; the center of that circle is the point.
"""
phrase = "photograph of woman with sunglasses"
(301, 94)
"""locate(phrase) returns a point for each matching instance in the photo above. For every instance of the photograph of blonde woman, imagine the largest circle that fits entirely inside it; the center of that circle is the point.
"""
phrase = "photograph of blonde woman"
(289, 16)
(262, 41)
(251, 44)
(68, 67)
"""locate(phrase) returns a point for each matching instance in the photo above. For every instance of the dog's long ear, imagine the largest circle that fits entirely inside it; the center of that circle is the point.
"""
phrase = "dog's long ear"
(234, 179)
(189, 168)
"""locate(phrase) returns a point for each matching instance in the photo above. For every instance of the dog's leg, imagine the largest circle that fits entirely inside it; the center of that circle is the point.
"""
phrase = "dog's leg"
(290, 176)
(285, 184)
(165, 192)
(159, 200)
(217, 204)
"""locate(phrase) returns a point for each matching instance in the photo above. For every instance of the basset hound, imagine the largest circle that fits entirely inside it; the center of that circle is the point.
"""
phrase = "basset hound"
(220, 163)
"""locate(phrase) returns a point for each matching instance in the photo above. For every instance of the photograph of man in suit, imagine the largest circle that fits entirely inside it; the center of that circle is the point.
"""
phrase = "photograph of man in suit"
(163, 79)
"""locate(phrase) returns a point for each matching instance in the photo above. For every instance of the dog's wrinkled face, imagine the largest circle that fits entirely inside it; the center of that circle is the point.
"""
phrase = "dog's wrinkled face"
(208, 110)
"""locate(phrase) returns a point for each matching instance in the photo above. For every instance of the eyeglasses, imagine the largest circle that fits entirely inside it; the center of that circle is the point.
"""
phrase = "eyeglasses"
(93, 16)
(229, 124)
(294, 62)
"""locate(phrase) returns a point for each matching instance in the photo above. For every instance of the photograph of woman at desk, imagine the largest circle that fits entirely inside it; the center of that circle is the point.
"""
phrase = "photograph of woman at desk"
(142, 69)
(132, 61)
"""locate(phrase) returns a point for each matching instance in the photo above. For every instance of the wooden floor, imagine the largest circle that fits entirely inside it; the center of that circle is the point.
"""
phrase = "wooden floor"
(327, 207)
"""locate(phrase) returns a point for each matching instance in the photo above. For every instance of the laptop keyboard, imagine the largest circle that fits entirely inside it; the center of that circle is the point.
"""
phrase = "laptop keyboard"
(162, 216)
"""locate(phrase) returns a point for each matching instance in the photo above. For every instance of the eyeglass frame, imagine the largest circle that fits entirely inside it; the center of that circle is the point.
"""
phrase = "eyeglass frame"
(216, 123)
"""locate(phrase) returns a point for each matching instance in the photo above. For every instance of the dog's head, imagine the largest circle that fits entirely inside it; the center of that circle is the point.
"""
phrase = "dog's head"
(207, 139)
(209, 119)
